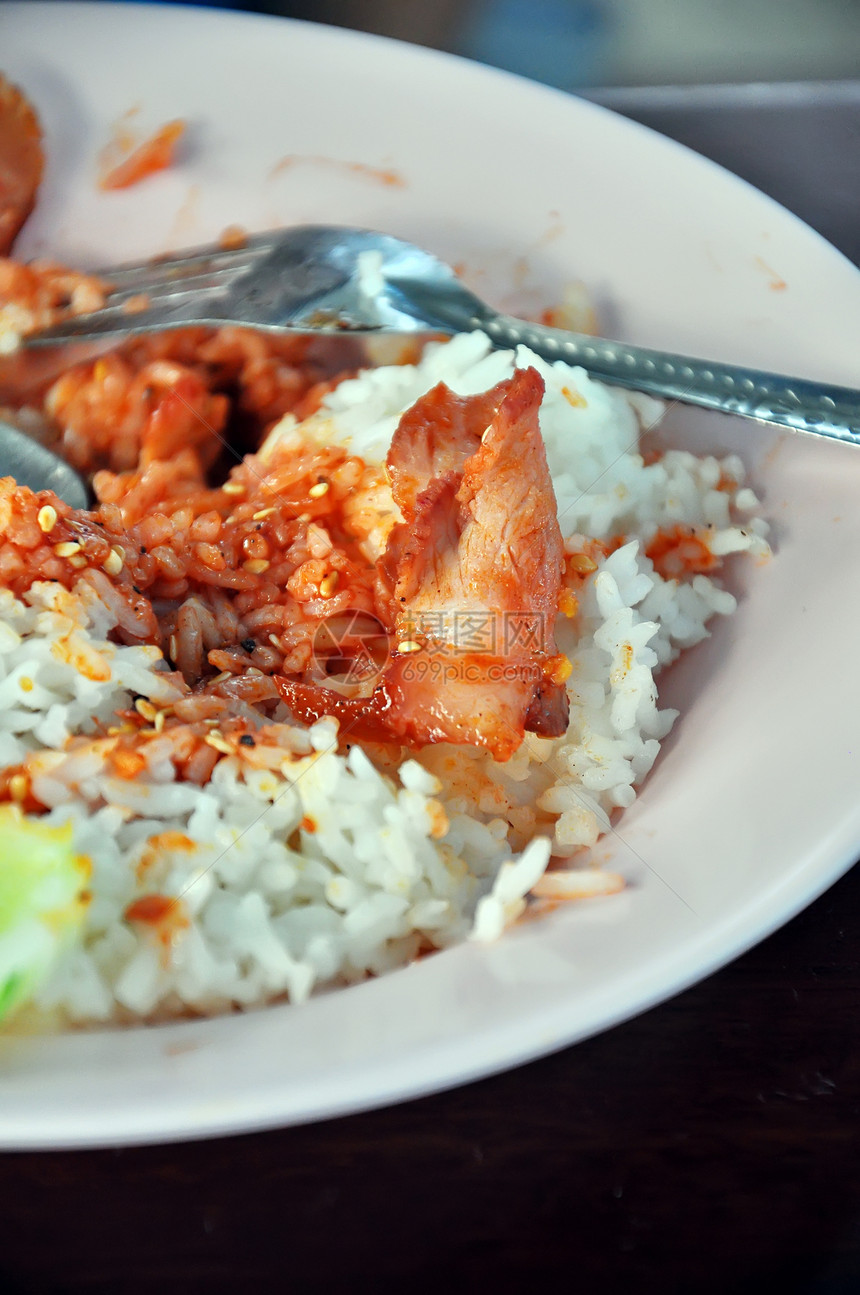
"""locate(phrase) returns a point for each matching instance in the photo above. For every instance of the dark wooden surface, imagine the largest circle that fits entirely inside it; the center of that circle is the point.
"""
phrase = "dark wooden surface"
(708, 1146)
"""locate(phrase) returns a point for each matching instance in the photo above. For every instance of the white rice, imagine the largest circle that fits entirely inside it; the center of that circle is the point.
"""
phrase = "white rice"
(324, 868)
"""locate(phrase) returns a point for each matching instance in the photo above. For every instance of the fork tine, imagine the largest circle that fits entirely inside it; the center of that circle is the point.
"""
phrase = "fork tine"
(180, 290)
(167, 289)
(117, 320)
(137, 275)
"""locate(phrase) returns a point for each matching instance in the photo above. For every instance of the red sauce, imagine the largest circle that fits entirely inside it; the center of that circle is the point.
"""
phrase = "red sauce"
(679, 550)
(152, 909)
(164, 915)
(155, 154)
(381, 174)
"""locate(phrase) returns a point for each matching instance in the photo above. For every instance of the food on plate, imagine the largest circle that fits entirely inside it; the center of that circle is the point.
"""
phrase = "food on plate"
(43, 899)
(258, 822)
(21, 161)
(344, 665)
(154, 154)
(479, 539)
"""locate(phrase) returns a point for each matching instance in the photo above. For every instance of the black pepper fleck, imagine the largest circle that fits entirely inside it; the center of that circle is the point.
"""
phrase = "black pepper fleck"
(248, 644)
(246, 740)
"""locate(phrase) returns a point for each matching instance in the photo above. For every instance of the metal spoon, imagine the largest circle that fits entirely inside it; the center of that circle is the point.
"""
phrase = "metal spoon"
(330, 279)
(34, 465)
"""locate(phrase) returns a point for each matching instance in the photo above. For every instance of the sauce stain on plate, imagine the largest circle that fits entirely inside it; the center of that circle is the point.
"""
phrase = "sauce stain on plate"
(555, 228)
(130, 155)
(185, 222)
(379, 174)
(777, 283)
(123, 140)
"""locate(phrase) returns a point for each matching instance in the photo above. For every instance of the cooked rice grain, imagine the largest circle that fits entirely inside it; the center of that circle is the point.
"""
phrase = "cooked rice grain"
(136, 703)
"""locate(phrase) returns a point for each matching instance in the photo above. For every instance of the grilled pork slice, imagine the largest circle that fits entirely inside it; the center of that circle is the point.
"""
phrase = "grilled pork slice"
(474, 570)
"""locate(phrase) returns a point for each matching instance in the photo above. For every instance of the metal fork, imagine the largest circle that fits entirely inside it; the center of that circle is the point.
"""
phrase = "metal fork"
(329, 279)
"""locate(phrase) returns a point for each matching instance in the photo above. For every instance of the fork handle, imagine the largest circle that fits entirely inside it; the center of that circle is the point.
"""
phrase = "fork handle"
(791, 402)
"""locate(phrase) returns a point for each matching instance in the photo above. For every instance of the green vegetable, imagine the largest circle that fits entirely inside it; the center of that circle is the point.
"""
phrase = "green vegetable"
(43, 899)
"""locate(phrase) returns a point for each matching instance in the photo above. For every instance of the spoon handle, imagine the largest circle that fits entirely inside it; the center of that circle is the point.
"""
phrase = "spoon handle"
(791, 402)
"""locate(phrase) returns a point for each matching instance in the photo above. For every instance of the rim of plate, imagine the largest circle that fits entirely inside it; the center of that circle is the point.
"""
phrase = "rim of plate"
(171, 1114)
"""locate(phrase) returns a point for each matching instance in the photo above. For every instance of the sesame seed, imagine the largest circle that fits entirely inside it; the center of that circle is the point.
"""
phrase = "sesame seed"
(252, 669)
(146, 709)
(78, 561)
(329, 583)
(220, 678)
(217, 742)
(233, 488)
(562, 671)
(409, 645)
(19, 785)
(581, 563)
(320, 489)
(67, 549)
(274, 640)
(568, 603)
(47, 518)
(160, 720)
(172, 647)
(256, 566)
(303, 517)
(264, 512)
(113, 562)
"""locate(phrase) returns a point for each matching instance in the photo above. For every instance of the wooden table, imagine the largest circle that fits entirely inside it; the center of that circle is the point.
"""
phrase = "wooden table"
(709, 1145)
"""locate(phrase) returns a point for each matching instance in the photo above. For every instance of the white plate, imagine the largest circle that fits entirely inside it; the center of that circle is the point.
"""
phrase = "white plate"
(752, 809)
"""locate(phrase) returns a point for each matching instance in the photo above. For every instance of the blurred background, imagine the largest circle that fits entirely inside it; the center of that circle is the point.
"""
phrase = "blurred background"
(579, 44)
(768, 88)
